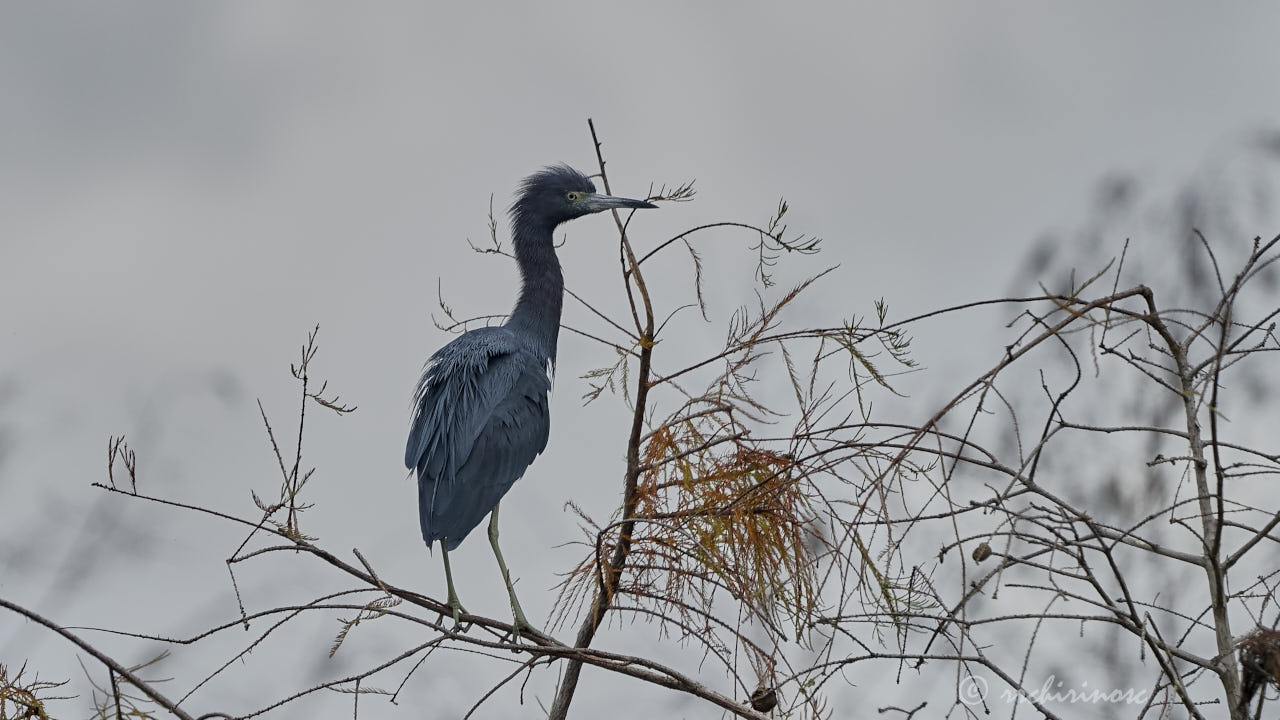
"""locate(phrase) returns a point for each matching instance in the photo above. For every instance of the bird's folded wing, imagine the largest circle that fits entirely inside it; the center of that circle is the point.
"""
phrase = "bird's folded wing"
(481, 416)
(466, 382)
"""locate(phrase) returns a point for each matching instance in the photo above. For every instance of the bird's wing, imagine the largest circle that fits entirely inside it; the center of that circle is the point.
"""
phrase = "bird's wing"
(481, 417)
(455, 394)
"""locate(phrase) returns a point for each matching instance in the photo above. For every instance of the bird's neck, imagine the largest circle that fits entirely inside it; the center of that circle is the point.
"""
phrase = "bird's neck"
(537, 311)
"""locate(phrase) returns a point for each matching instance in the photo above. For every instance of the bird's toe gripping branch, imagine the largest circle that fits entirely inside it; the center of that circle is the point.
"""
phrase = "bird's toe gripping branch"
(455, 606)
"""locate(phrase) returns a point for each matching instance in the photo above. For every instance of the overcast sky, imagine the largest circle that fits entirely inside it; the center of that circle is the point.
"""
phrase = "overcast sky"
(186, 189)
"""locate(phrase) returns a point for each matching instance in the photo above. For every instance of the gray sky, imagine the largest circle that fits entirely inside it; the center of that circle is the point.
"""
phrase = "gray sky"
(185, 189)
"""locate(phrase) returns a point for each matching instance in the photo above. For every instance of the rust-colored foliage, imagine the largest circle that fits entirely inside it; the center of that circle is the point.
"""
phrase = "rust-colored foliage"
(718, 523)
(22, 697)
(734, 518)
(1260, 660)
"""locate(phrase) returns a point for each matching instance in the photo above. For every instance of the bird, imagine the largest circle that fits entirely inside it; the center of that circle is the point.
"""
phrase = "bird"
(481, 409)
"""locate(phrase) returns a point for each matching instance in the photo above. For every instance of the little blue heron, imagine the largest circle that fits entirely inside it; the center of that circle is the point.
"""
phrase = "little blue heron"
(481, 411)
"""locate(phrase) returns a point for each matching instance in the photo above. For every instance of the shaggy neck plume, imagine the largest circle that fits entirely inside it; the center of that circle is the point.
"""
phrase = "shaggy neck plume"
(537, 311)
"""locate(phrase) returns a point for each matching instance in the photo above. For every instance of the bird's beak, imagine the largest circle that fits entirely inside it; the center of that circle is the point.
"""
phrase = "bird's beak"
(599, 203)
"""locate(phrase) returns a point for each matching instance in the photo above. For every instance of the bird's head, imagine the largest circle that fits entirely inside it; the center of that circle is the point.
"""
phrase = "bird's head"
(559, 193)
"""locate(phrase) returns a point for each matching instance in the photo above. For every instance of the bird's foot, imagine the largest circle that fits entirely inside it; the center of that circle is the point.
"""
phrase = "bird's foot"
(458, 611)
(521, 627)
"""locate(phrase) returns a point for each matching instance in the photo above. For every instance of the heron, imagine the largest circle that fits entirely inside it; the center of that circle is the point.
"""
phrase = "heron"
(481, 410)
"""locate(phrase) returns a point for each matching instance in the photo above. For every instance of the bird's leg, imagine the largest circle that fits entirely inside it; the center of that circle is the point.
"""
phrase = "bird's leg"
(454, 605)
(520, 624)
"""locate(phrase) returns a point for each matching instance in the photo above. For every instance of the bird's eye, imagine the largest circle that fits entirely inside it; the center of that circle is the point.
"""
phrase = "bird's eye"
(573, 197)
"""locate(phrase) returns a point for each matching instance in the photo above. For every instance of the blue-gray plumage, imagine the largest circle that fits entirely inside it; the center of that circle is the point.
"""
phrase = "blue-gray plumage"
(481, 410)
(482, 418)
